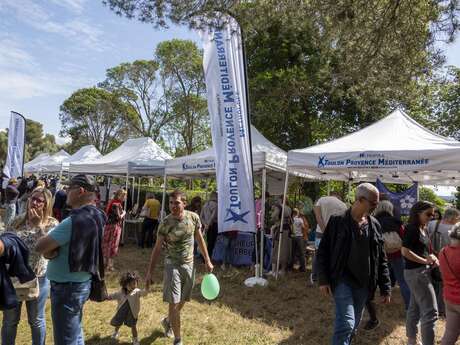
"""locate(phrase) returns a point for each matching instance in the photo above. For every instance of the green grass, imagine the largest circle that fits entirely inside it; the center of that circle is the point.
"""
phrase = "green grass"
(286, 312)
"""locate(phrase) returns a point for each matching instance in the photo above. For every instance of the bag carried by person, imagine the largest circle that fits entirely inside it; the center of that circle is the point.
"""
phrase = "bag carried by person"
(28, 291)
(392, 242)
(145, 212)
(114, 214)
(435, 272)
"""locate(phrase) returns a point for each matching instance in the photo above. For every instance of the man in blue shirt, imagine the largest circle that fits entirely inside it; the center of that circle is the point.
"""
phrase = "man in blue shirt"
(70, 287)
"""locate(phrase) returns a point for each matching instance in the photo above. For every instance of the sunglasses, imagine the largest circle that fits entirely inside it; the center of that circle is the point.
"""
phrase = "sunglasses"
(37, 200)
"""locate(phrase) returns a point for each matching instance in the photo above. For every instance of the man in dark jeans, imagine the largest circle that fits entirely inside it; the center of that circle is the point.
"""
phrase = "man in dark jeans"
(352, 262)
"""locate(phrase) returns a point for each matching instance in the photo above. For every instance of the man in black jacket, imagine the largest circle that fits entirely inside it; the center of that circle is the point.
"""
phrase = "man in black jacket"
(352, 262)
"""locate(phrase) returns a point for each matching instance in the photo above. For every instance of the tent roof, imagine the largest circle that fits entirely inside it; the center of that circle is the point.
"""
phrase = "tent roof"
(133, 156)
(84, 154)
(51, 163)
(265, 155)
(54, 162)
(395, 149)
(29, 166)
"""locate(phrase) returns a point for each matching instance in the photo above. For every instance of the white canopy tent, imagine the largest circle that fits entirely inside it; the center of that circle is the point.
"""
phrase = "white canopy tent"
(264, 155)
(133, 157)
(29, 166)
(51, 163)
(268, 159)
(84, 154)
(395, 149)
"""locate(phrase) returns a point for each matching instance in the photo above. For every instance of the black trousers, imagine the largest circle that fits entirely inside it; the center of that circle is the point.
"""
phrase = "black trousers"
(149, 233)
(211, 237)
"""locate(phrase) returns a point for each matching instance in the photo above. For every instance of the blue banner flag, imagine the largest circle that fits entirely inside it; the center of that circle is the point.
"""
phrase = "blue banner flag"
(402, 201)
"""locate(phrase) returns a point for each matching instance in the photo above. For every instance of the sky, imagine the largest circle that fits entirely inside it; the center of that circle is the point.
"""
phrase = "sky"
(50, 48)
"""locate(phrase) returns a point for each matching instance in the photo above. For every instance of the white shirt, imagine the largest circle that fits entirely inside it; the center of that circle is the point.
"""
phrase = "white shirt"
(298, 226)
(329, 206)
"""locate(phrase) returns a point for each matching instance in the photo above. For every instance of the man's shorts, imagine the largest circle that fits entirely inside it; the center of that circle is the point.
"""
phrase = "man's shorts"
(178, 282)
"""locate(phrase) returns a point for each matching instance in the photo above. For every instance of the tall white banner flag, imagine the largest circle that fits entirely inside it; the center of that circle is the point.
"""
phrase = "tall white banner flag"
(16, 140)
(224, 70)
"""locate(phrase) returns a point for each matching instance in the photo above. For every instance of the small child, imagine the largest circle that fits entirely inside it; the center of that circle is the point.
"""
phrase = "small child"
(129, 304)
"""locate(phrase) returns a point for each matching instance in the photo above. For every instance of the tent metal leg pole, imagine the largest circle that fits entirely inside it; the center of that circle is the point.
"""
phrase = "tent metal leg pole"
(281, 223)
(328, 187)
(126, 206)
(133, 190)
(138, 192)
(262, 222)
(163, 199)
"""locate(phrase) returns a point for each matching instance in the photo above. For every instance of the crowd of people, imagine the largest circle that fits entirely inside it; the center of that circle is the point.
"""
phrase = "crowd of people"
(57, 240)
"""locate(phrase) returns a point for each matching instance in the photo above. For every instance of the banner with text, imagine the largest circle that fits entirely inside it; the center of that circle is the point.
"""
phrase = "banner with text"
(226, 92)
(16, 140)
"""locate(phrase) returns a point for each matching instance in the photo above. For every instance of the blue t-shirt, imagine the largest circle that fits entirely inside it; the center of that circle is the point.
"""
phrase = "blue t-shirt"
(58, 268)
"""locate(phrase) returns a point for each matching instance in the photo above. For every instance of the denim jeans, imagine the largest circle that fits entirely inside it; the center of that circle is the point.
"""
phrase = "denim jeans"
(227, 255)
(397, 265)
(10, 213)
(314, 266)
(35, 316)
(423, 307)
(298, 252)
(67, 300)
(349, 304)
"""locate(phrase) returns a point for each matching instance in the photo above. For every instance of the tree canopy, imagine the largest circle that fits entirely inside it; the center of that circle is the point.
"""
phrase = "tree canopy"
(96, 116)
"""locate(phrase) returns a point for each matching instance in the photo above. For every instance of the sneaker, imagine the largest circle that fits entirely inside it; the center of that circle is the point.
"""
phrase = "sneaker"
(371, 325)
(115, 335)
(136, 342)
(177, 342)
(167, 327)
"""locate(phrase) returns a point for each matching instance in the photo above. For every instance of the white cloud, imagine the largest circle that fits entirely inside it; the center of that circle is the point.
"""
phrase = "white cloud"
(75, 6)
(22, 77)
(77, 29)
(62, 141)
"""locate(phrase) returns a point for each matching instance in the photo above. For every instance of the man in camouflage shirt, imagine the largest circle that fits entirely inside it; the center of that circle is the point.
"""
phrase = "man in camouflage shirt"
(177, 233)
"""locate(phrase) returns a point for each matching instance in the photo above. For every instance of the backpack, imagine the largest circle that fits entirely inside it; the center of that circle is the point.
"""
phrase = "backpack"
(392, 242)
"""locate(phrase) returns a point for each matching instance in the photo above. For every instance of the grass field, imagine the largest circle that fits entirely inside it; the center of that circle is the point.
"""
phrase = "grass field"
(287, 312)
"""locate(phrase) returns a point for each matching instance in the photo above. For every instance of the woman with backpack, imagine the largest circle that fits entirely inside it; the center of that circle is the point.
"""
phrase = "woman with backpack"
(392, 233)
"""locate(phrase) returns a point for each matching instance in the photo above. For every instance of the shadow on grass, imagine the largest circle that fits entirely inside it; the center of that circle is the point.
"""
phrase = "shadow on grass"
(291, 304)
(97, 340)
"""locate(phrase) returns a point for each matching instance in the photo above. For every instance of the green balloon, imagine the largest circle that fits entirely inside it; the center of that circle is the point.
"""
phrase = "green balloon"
(210, 287)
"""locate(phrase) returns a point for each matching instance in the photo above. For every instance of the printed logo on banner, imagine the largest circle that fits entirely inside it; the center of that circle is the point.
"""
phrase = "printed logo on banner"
(370, 160)
(235, 217)
(207, 164)
(407, 202)
(402, 201)
(321, 163)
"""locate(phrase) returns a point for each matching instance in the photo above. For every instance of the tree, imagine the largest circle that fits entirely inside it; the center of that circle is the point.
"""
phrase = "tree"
(96, 116)
(333, 66)
(137, 83)
(37, 141)
(427, 194)
(180, 64)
